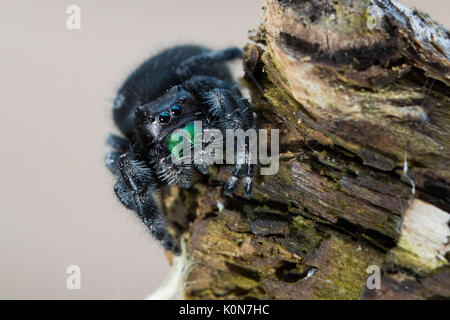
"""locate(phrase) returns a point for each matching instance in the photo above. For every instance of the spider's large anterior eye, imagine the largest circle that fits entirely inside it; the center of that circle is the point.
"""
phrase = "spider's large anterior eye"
(176, 110)
(151, 119)
(164, 117)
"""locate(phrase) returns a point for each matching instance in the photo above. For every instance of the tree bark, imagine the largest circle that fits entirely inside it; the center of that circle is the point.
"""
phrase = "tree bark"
(364, 178)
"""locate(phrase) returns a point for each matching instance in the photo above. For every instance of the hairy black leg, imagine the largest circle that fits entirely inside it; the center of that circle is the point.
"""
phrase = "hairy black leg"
(189, 66)
(134, 188)
(204, 84)
(234, 112)
(212, 90)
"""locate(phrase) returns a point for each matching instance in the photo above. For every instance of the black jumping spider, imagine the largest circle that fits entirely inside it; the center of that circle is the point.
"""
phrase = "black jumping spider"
(168, 92)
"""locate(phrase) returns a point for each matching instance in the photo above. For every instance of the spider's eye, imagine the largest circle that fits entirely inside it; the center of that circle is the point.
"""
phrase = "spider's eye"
(176, 110)
(151, 119)
(164, 117)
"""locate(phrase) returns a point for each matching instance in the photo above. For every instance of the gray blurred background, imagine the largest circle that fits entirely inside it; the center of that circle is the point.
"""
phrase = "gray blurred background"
(57, 207)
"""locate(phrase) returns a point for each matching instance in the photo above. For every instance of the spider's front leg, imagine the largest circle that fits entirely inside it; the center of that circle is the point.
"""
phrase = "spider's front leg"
(230, 111)
(233, 113)
(135, 187)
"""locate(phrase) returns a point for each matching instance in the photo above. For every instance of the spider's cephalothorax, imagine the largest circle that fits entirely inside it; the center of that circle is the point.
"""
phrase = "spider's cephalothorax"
(170, 91)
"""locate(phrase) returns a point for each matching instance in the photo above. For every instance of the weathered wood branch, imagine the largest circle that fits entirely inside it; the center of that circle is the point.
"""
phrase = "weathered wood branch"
(364, 179)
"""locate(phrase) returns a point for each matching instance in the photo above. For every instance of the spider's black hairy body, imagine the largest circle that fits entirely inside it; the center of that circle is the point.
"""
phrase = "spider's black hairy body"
(167, 92)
